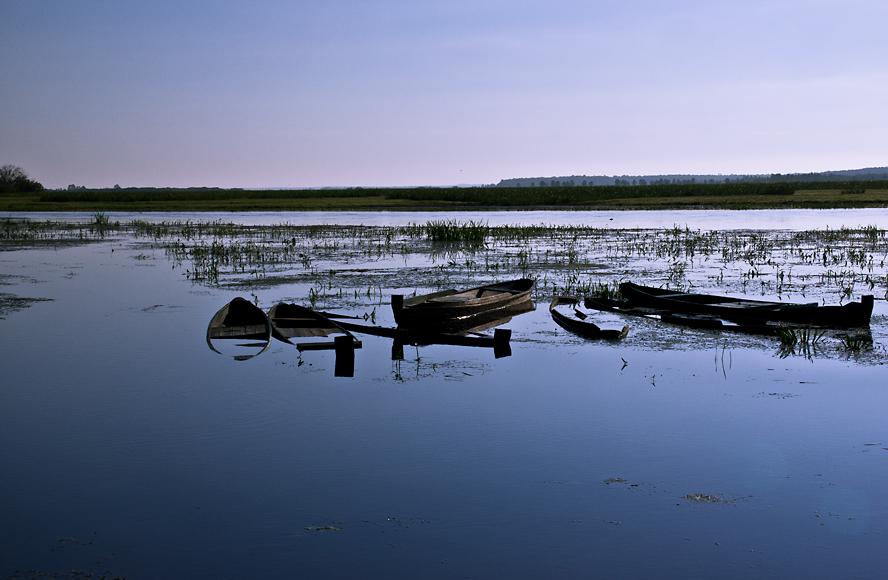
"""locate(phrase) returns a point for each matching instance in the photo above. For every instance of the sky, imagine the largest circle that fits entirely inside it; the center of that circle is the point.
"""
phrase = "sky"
(374, 93)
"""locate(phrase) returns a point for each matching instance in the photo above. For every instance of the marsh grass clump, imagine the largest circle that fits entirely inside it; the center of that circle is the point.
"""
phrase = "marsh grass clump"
(802, 341)
(455, 231)
(805, 337)
(609, 290)
(856, 342)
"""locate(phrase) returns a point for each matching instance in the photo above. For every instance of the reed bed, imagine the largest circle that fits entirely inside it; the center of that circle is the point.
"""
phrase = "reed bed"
(828, 265)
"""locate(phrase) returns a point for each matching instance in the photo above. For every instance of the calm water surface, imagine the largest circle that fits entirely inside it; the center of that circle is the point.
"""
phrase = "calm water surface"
(796, 219)
(128, 448)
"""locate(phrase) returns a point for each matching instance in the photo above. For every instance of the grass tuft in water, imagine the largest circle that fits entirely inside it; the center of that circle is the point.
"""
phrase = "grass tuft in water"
(455, 231)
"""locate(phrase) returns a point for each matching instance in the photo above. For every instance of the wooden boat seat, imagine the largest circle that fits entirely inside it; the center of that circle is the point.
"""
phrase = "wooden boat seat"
(446, 299)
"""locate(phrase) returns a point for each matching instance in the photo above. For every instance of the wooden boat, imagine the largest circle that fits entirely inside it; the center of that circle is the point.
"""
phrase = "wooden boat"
(240, 319)
(453, 310)
(499, 342)
(580, 325)
(852, 314)
(500, 338)
(704, 321)
(291, 321)
(294, 321)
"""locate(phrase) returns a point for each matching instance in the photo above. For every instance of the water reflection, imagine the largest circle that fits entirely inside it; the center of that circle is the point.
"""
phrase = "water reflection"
(710, 219)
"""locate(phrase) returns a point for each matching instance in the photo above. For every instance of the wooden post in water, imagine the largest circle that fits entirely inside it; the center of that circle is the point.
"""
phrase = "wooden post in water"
(345, 356)
(501, 346)
(397, 305)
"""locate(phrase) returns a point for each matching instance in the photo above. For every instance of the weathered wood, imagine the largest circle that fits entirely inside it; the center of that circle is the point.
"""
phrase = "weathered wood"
(455, 311)
(240, 319)
(422, 337)
(291, 321)
(582, 327)
(852, 314)
(345, 357)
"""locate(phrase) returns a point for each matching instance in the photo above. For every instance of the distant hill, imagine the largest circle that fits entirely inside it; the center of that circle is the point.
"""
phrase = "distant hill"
(867, 174)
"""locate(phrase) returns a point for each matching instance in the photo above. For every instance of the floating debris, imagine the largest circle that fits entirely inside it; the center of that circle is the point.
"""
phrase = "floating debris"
(324, 528)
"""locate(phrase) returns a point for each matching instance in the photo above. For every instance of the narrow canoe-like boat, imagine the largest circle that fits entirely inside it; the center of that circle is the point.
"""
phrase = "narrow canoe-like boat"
(579, 325)
(453, 310)
(240, 319)
(703, 321)
(852, 314)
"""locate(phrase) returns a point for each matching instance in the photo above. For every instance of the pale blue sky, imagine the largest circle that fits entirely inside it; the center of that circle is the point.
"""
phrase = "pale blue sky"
(396, 92)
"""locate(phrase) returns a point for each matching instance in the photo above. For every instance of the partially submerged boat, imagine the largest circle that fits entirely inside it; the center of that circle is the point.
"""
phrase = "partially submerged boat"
(295, 321)
(454, 310)
(578, 324)
(499, 342)
(746, 311)
(240, 319)
(704, 321)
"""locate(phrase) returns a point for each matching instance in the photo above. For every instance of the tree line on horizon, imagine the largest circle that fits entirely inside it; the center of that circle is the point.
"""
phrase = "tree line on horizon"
(14, 179)
(871, 174)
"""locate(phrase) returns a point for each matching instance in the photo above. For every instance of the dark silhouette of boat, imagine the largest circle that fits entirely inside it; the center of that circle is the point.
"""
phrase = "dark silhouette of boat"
(732, 314)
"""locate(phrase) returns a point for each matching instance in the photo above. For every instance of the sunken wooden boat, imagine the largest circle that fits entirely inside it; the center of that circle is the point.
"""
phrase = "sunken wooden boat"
(454, 310)
(578, 324)
(295, 321)
(746, 311)
(499, 342)
(691, 320)
(240, 319)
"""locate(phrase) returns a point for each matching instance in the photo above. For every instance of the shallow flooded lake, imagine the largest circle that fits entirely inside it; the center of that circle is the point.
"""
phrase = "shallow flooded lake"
(130, 448)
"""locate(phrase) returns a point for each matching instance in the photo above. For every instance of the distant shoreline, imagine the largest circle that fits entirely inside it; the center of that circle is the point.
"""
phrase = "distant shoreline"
(739, 196)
